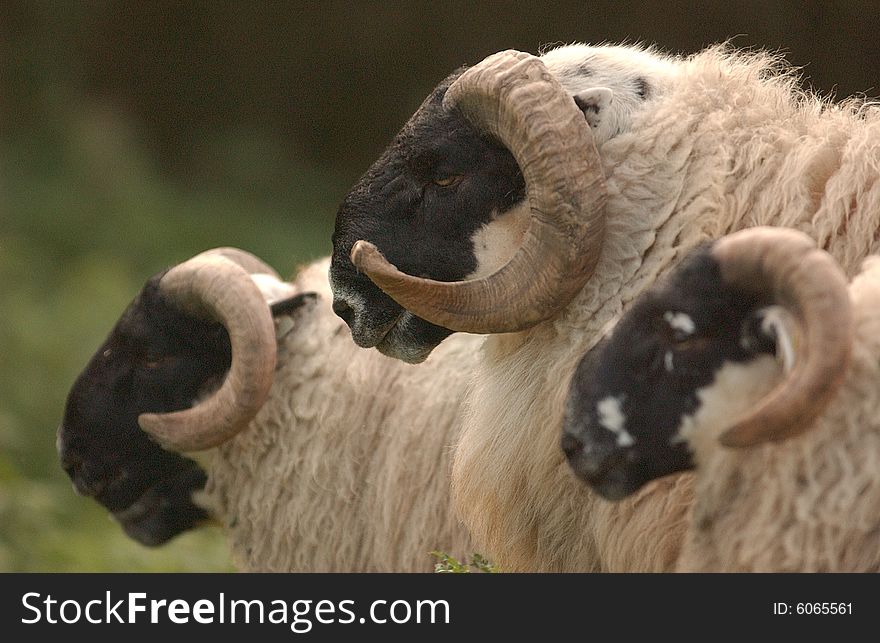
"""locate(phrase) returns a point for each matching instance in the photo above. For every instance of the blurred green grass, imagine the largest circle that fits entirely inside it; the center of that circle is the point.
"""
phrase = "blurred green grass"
(85, 219)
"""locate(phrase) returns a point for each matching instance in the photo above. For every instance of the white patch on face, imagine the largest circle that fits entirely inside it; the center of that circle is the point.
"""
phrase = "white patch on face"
(624, 439)
(667, 361)
(736, 389)
(497, 241)
(680, 322)
(611, 417)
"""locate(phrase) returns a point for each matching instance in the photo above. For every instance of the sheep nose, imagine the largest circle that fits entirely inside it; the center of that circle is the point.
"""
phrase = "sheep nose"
(341, 308)
(592, 462)
(586, 463)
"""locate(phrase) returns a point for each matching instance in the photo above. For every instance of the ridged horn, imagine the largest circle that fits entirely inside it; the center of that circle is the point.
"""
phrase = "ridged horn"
(512, 97)
(251, 263)
(785, 266)
(216, 285)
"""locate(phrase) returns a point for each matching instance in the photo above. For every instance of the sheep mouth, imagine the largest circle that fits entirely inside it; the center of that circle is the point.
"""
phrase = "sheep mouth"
(370, 319)
(411, 339)
(404, 337)
(615, 487)
(151, 508)
(617, 477)
(384, 325)
(165, 509)
(373, 336)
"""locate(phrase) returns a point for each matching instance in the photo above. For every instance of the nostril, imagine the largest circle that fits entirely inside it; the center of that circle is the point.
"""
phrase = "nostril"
(571, 445)
(341, 308)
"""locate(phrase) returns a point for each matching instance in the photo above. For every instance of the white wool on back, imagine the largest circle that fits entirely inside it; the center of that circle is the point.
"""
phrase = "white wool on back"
(346, 467)
(724, 141)
(812, 502)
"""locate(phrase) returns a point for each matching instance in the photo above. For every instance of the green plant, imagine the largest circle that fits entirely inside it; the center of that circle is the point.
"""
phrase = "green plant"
(448, 565)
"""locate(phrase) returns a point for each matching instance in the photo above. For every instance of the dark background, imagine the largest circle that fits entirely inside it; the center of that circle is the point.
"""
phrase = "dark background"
(134, 135)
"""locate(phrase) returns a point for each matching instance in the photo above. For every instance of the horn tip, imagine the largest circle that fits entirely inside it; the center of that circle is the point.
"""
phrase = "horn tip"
(152, 425)
(732, 439)
(366, 257)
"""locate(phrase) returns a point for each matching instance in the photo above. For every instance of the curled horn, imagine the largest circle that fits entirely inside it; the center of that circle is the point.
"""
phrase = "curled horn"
(250, 263)
(512, 97)
(785, 267)
(217, 285)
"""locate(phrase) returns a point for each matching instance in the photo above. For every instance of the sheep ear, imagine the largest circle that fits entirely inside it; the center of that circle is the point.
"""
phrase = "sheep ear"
(272, 288)
(291, 304)
(593, 102)
(772, 330)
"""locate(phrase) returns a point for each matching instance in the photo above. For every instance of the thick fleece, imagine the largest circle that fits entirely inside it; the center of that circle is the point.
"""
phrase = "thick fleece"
(346, 467)
(812, 502)
(724, 140)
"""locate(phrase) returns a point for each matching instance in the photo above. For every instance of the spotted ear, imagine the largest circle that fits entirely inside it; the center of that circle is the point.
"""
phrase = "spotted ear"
(771, 330)
(593, 102)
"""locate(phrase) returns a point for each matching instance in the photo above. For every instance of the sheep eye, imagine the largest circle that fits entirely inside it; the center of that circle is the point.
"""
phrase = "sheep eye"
(154, 362)
(692, 342)
(448, 181)
(681, 337)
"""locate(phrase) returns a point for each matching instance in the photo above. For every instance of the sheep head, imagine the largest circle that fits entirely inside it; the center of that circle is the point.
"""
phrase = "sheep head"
(694, 359)
(501, 142)
(198, 332)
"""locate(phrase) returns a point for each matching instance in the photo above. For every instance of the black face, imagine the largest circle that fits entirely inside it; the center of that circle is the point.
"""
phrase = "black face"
(156, 359)
(631, 394)
(421, 203)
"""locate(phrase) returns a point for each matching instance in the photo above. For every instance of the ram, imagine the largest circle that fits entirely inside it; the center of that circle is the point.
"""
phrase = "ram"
(313, 454)
(491, 212)
(755, 364)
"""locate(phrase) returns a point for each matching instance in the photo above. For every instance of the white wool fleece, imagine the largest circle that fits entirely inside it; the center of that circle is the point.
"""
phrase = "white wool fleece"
(723, 140)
